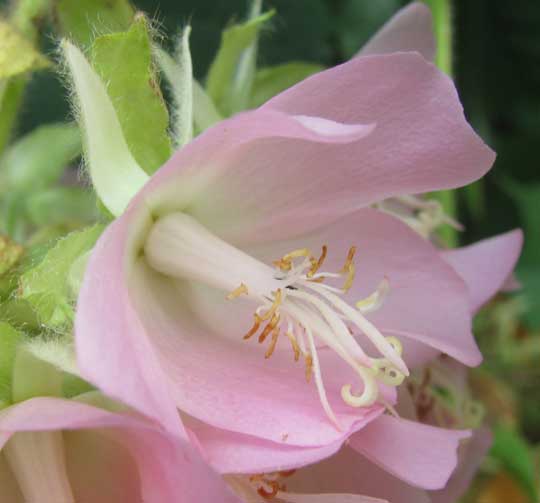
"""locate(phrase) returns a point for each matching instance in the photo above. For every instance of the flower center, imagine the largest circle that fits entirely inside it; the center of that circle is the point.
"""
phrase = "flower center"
(293, 301)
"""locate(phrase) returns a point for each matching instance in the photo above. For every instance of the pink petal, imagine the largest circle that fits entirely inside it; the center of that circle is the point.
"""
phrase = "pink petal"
(255, 177)
(411, 29)
(351, 473)
(421, 455)
(230, 452)
(110, 349)
(423, 288)
(168, 469)
(485, 266)
(471, 455)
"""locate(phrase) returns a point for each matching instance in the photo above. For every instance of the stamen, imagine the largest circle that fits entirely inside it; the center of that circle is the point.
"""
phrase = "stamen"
(368, 396)
(273, 342)
(269, 327)
(241, 290)
(316, 264)
(309, 366)
(294, 344)
(277, 302)
(349, 269)
(255, 328)
(285, 262)
(375, 300)
(261, 491)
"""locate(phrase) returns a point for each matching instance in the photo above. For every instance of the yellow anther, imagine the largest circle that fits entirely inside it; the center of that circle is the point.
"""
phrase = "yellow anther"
(241, 290)
(349, 268)
(285, 263)
(273, 342)
(294, 344)
(269, 327)
(274, 307)
(255, 328)
(316, 264)
(309, 366)
(301, 252)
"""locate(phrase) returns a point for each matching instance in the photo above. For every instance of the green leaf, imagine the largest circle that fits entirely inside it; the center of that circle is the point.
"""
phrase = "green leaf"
(62, 206)
(179, 74)
(9, 340)
(222, 82)
(17, 55)
(46, 286)
(31, 258)
(512, 451)
(83, 20)
(115, 174)
(273, 80)
(39, 158)
(10, 253)
(124, 61)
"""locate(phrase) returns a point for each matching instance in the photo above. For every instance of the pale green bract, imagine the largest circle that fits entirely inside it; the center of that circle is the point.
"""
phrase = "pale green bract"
(115, 174)
(179, 74)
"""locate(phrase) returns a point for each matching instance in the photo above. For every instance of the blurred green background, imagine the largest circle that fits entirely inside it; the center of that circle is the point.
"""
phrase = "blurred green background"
(496, 53)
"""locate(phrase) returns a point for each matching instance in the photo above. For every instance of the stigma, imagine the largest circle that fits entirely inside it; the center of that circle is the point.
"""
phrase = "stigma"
(294, 299)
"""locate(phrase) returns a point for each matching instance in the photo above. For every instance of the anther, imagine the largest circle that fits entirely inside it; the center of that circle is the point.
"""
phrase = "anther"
(269, 327)
(285, 263)
(277, 302)
(241, 290)
(294, 344)
(273, 342)
(349, 269)
(309, 366)
(255, 328)
(316, 264)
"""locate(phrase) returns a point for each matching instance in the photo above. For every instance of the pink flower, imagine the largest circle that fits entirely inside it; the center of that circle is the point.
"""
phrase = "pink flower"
(229, 244)
(63, 451)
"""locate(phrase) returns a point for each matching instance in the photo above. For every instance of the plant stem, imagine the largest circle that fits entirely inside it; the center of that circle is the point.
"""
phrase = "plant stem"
(442, 25)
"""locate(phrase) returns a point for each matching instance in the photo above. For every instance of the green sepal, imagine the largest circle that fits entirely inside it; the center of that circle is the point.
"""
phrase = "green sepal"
(275, 79)
(83, 20)
(47, 286)
(9, 340)
(124, 61)
(221, 83)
